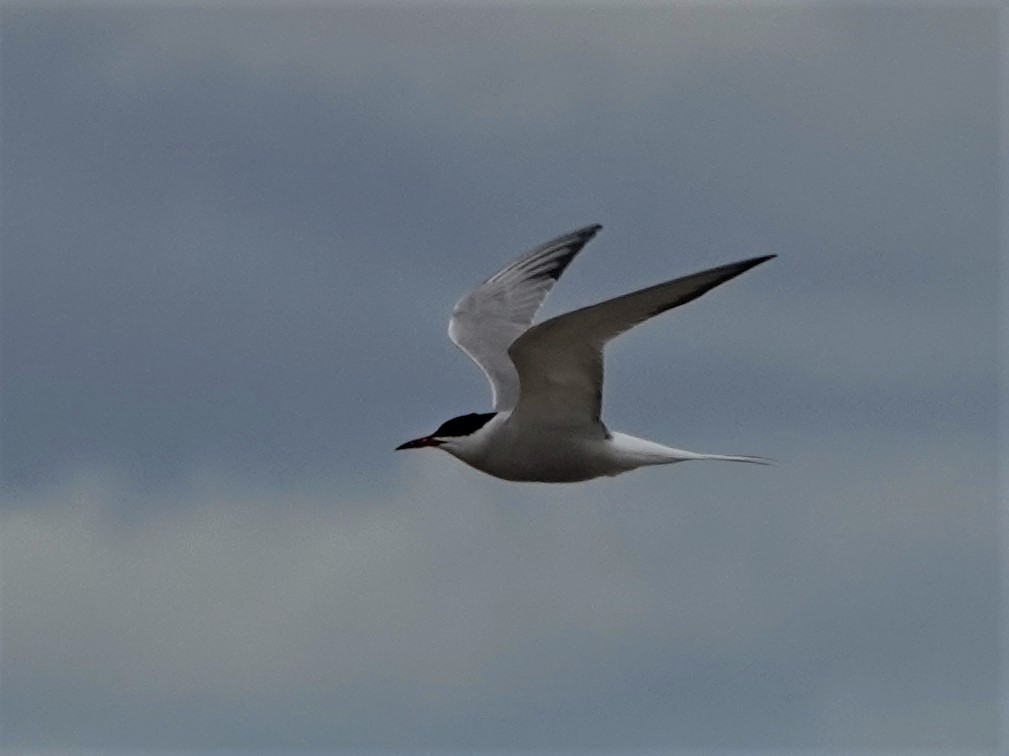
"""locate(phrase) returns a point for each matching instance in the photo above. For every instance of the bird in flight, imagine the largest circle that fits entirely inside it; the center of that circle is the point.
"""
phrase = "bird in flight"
(547, 379)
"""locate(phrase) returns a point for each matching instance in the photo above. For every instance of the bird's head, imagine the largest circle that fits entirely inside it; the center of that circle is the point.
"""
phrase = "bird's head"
(452, 434)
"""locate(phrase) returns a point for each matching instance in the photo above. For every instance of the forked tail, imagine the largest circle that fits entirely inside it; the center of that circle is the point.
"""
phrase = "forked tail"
(737, 458)
(637, 452)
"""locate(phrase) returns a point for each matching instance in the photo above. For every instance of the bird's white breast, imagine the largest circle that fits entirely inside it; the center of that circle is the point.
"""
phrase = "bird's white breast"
(536, 453)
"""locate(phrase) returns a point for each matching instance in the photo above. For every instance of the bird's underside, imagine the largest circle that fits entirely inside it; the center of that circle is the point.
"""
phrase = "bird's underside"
(559, 457)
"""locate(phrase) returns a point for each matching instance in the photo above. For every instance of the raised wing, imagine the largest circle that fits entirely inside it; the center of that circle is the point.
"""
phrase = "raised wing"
(486, 321)
(560, 361)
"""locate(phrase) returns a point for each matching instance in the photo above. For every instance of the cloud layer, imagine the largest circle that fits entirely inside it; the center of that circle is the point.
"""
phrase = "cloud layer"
(452, 614)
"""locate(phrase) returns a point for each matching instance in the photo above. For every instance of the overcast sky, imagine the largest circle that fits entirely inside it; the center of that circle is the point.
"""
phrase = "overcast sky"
(231, 242)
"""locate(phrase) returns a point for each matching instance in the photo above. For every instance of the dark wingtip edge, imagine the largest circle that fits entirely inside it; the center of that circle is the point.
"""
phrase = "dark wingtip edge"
(754, 261)
(735, 269)
(588, 232)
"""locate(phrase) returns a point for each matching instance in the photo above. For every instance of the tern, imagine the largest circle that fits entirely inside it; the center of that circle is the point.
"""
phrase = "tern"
(547, 379)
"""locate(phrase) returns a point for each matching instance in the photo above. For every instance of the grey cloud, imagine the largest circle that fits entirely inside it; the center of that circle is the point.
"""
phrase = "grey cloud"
(452, 615)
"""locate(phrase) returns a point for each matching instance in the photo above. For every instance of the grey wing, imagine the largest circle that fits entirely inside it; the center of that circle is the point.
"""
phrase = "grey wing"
(486, 321)
(560, 361)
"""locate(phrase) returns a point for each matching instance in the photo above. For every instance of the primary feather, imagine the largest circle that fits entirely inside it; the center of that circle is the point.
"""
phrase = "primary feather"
(486, 321)
(560, 361)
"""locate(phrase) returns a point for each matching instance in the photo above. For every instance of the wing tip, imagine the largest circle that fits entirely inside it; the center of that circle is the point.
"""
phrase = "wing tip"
(734, 269)
(587, 232)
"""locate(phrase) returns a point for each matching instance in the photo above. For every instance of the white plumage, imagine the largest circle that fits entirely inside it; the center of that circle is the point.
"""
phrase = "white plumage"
(547, 380)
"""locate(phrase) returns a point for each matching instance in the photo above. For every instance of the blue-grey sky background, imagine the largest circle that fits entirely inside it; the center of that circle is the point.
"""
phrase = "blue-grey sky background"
(231, 242)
